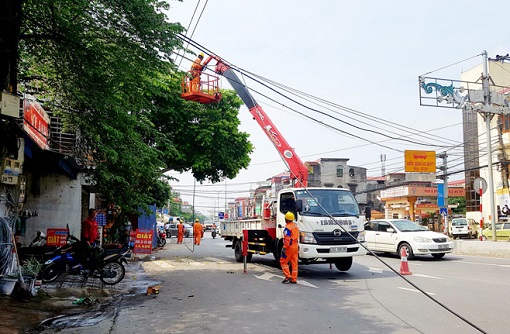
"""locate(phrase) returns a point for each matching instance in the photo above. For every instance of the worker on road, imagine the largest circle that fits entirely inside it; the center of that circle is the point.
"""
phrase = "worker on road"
(180, 231)
(196, 70)
(290, 250)
(197, 231)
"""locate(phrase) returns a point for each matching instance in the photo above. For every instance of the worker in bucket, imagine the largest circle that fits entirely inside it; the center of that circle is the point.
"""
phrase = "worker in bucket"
(197, 231)
(196, 70)
(290, 250)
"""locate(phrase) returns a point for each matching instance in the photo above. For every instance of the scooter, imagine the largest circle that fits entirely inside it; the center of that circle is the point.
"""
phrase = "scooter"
(214, 231)
(161, 237)
(109, 269)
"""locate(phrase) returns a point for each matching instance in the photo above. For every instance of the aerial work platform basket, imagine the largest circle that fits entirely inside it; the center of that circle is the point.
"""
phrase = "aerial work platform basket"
(207, 92)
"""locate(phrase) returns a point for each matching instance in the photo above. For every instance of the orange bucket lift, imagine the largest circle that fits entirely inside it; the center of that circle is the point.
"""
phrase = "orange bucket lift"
(208, 91)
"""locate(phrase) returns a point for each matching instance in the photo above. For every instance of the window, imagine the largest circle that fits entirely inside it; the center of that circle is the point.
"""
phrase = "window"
(339, 171)
(505, 121)
(351, 172)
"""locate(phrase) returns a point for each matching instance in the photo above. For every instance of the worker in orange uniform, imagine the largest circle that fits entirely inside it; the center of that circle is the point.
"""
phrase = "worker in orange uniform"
(196, 70)
(290, 249)
(197, 231)
(180, 231)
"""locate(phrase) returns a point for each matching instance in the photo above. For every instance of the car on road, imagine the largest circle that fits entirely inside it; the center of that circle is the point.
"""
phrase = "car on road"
(464, 227)
(171, 230)
(502, 232)
(393, 235)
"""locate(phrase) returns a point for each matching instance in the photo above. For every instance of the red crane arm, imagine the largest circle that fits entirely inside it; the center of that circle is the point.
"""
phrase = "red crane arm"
(298, 170)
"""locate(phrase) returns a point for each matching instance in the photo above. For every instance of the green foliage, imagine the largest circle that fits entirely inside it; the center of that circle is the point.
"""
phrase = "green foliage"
(461, 205)
(105, 67)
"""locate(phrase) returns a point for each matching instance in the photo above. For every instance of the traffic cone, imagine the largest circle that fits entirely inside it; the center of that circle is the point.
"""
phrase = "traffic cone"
(404, 266)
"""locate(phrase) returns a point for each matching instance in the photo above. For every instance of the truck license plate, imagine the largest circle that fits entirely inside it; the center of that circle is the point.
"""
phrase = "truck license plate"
(338, 249)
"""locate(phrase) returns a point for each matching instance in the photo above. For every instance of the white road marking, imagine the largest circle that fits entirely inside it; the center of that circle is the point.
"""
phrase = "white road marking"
(376, 270)
(268, 276)
(427, 276)
(485, 264)
(414, 290)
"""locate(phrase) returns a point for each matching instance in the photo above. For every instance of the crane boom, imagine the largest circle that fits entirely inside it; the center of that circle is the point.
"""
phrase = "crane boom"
(298, 170)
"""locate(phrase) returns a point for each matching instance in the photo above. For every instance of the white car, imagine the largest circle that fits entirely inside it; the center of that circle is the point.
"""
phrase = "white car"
(391, 235)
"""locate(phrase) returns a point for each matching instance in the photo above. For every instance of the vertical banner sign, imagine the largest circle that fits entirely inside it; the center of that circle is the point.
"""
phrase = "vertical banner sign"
(56, 237)
(440, 194)
(420, 161)
(143, 241)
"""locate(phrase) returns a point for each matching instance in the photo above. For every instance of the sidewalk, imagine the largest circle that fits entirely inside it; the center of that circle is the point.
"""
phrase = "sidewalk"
(482, 248)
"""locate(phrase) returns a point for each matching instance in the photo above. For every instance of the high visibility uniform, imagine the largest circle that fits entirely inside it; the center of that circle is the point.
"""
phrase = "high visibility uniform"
(180, 233)
(290, 251)
(196, 70)
(197, 232)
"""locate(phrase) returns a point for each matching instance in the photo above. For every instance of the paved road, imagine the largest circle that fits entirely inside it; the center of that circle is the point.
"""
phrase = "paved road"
(204, 290)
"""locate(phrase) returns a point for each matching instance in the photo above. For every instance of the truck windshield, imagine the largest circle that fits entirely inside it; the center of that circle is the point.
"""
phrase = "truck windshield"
(334, 202)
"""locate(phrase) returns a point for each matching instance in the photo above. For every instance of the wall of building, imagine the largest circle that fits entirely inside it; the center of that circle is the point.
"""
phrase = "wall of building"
(59, 203)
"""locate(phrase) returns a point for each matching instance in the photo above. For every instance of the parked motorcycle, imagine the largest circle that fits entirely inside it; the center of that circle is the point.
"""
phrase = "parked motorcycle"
(161, 237)
(214, 232)
(109, 269)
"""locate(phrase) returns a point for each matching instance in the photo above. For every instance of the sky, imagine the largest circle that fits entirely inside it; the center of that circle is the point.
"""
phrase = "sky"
(361, 59)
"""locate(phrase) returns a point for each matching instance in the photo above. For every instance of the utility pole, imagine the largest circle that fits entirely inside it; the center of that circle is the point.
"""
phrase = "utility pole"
(444, 168)
(488, 116)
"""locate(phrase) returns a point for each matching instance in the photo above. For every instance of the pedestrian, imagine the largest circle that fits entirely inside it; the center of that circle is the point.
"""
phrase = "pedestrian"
(89, 257)
(368, 213)
(180, 231)
(90, 229)
(196, 70)
(197, 231)
(290, 250)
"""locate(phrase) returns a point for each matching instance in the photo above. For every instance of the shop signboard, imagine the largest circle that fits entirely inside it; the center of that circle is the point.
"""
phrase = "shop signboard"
(56, 237)
(143, 241)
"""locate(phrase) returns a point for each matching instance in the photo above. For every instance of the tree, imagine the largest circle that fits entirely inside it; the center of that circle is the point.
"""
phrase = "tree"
(105, 67)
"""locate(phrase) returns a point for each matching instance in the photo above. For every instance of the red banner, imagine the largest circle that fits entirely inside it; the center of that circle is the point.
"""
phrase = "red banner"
(36, 123)
(56, 236)
(143, 241)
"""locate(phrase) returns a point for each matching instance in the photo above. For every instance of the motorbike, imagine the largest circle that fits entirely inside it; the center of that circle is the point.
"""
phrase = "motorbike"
(214, 232)
(161, 237)
(109, 268)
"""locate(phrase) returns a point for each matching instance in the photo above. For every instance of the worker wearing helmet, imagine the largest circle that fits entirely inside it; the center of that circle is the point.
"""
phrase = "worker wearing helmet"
(290, 249)
(196, 70)
(180, 231)
(197, 231)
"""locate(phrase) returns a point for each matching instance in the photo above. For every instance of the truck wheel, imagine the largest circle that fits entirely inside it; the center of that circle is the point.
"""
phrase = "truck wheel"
(278, 251)
(238, 252)
(343, 264)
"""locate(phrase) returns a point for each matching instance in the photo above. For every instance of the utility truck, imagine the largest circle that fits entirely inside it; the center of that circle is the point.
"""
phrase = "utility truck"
(331, 229)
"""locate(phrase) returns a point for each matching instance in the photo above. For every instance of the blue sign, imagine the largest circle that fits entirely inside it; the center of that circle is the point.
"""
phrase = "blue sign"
(440, 194)
(443, 211)
(221, 215)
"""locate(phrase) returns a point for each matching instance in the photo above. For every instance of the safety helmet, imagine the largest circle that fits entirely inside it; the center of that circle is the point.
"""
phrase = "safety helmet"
(289, 216)
(197, 220)
(201, 55)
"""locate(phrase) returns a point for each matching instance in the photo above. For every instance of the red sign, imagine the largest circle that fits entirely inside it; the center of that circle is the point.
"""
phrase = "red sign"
(36, 123)
(143, 241)
(56, 236)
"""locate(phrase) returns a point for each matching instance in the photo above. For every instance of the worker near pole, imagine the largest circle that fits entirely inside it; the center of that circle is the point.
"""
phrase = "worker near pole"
(180, 231)
(290, 250)
(197, 231)
(196, 70)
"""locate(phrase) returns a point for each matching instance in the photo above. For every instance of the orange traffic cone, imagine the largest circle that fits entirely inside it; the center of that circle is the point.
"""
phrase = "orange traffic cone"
(404, 267)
